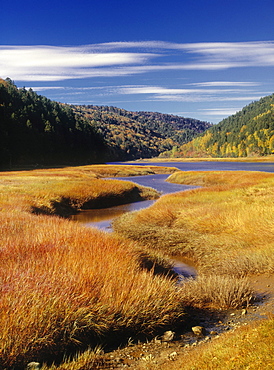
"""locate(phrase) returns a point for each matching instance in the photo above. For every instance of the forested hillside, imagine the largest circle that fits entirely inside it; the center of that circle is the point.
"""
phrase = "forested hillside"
(37, 131)
(141, 134)
(249, 132)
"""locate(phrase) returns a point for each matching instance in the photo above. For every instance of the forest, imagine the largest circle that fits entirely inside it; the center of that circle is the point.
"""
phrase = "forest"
(140, 134)
(249, 132)
(35, 130)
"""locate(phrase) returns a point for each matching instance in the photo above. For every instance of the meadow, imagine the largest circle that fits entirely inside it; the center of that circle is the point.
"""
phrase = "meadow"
(66, 289)
(225, 226)
(63, 287)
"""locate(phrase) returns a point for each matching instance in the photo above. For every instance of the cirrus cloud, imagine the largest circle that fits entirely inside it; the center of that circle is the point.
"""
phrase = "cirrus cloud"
(53, 63)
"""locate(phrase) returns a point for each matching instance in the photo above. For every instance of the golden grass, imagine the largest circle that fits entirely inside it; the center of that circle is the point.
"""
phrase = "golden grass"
(227, 226)
(217, 292)
(64, 287)
(65, 191)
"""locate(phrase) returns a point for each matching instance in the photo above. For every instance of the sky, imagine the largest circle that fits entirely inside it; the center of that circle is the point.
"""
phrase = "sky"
(204, 59)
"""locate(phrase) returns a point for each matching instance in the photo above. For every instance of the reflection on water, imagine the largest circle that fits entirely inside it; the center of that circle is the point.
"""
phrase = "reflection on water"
(184, 267)
(102, 218)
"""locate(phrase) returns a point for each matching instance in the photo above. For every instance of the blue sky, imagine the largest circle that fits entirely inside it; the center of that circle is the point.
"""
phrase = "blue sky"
(201, 59)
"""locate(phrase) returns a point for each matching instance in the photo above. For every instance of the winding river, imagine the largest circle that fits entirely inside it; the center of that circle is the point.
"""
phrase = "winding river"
(102, 218)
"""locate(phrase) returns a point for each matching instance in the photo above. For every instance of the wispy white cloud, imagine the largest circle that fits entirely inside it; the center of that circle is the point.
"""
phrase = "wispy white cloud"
(190, 98)
(49, 63)
(226, 83)
(158, 93)
(219, 111)
(56, 63)
(237, 53)
(169, 91)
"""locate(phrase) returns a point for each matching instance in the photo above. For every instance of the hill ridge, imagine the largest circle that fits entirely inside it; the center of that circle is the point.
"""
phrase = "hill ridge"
(37, 130)
(249, 132)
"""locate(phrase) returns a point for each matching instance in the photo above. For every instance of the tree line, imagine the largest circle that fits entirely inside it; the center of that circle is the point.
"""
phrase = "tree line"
(249, 132)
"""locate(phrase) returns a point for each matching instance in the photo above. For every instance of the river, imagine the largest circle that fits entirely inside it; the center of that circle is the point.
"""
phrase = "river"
(102, 218)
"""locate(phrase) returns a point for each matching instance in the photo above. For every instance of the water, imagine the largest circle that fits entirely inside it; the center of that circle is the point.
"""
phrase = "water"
(211, 166)
(102, 218)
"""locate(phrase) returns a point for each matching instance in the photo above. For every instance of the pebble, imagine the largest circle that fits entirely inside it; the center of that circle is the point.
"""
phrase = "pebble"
(198, 330)
(172, 356)
(33, 366)
(168, 336)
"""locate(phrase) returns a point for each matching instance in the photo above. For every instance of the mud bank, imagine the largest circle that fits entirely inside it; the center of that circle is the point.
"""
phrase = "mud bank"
(67, 206)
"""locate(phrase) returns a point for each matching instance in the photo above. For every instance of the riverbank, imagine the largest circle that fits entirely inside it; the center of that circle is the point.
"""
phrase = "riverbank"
(226, 226)
(65, 288)
(65, 191)
(269, 158)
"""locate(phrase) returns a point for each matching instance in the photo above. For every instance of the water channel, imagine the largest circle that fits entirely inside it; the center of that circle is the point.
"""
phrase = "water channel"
(102, 218)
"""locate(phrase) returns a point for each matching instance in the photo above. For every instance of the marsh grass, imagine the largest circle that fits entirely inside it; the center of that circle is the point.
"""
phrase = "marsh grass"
(226, 227)
(65, 191)
(64, 288)
(89, 359)
(217, 292)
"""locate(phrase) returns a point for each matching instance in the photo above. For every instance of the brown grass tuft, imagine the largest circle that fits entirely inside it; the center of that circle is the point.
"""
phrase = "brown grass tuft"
(214, 291)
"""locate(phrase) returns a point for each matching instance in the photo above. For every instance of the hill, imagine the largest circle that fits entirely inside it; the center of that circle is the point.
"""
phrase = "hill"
(249, 132)
(37, 131)
(140, 134)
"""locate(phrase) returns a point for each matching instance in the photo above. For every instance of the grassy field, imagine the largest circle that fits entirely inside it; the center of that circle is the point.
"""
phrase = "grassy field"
(65, 288)
(226, 226)
(64, 191)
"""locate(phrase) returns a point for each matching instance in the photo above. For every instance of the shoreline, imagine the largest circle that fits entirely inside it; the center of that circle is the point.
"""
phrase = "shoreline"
(37, 242)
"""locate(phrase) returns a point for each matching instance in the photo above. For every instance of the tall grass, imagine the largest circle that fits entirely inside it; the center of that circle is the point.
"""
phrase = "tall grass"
(65, 191)
(64, 288)
(226, 227)
(218, 292)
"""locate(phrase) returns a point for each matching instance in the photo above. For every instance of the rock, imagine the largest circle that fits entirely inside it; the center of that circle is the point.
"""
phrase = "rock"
(172, 356)
(168, 336)
(198, 330)
(33, 366)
